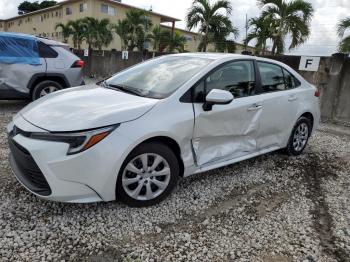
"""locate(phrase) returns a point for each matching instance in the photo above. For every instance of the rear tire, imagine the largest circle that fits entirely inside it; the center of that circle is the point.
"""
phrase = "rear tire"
(148, 175)
(299, 136)
(44, 88)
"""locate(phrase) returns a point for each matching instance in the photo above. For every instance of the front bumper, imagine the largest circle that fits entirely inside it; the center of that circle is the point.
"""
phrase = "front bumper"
(44, 168)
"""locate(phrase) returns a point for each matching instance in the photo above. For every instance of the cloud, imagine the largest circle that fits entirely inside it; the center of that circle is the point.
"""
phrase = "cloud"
(323, 39)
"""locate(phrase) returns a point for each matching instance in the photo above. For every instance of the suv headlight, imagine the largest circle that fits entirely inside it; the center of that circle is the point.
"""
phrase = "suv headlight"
(78, 141)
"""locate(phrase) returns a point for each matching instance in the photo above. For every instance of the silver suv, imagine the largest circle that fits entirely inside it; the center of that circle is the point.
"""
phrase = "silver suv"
(32, 67)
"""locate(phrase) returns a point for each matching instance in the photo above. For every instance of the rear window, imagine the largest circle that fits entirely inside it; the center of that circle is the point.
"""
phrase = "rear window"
(46, 51)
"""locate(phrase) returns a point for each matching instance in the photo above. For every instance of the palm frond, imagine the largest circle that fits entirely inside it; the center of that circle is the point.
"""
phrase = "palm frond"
(344, 45)
(342, 26)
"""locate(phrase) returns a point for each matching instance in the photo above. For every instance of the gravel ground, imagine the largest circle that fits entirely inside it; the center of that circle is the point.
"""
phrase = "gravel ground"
(270, 208)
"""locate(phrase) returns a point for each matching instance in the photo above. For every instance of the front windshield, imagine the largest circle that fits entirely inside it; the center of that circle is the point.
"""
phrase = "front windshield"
(160, 77)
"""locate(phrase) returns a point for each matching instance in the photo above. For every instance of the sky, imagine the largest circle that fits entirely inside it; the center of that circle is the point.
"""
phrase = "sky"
(323, 40)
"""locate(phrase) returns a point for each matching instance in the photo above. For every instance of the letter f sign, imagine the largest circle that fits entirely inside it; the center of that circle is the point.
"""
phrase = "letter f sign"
(308, 62)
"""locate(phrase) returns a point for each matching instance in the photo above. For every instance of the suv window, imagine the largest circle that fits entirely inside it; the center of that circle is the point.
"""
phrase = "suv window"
(15, 47)
(236, 77)
(271, 77)
(46, 51)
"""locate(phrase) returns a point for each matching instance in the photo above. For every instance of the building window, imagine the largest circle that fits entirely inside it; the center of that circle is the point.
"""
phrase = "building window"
(69, 11)
(111, 10)
(82, 7)
(106, 9)
(188, 38)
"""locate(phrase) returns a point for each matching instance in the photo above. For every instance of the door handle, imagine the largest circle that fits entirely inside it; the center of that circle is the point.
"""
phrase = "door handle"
(292, 98)
(255, 107)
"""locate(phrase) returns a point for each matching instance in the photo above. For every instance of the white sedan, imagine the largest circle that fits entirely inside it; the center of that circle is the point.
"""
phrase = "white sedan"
(132, 136)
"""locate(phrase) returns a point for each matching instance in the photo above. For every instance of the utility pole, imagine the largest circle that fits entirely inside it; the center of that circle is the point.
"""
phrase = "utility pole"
(246, 32)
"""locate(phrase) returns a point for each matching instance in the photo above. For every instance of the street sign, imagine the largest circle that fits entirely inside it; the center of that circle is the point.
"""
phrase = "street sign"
(86, 52)
(309, 63)
(125, 55)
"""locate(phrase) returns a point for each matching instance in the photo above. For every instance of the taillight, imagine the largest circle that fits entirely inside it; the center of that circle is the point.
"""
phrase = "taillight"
(78, 64)
(317, 93)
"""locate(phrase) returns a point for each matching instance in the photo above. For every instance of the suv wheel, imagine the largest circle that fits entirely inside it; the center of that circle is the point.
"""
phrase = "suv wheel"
(148, 175)
(44, 88)
(299, 137)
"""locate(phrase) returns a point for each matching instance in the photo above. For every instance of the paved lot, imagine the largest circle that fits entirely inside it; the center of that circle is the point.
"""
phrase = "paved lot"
(271, 208)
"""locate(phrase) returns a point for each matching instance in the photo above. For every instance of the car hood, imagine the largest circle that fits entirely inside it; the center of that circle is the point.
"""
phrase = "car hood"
(85, 107)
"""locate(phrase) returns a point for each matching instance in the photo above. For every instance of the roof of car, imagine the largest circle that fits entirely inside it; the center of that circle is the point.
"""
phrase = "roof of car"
(44, 40)
(8, 34)
(215, 56)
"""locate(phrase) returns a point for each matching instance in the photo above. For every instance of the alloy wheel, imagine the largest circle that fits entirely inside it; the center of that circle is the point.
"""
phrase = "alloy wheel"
(300, 137)
(48, 90)
(146, 176)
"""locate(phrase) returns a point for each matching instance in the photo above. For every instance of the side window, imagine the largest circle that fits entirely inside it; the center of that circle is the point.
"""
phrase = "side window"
(271, 77)
(46, 51)
(17, 47)
(291, 80)
(199, 92)
(236, 77)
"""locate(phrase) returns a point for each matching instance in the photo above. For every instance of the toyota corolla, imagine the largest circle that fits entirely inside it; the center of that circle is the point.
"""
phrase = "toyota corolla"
(134, 135)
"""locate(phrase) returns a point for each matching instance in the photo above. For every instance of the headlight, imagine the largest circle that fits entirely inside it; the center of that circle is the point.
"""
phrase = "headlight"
(78, 141)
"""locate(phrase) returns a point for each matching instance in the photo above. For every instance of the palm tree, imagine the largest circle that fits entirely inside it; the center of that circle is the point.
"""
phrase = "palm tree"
(139, 25)
(157, 36)
(344, 45)
(261, 31)
(77, 30)
(98, 33)
(208, 18)
(177, 42)
(122, 29)
(65, 30)
(219, 37)
(289, 18)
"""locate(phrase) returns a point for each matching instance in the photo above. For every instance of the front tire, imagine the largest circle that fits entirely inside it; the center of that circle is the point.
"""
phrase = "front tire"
(44, 88)
(299, 137)
(148, 175)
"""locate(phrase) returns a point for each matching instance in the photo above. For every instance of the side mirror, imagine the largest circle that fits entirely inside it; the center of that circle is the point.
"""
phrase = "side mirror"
(217, 97)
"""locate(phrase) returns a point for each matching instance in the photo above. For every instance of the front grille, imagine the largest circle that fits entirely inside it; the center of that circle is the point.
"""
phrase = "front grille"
(28, 171)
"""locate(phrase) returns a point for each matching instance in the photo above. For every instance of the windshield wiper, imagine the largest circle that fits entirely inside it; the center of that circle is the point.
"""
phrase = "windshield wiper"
(125, 89)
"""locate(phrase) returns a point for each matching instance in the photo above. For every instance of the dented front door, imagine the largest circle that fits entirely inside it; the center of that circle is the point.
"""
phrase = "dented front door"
(226, 132)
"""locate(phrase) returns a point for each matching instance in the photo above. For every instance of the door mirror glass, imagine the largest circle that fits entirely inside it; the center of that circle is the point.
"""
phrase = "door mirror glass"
(217, 97)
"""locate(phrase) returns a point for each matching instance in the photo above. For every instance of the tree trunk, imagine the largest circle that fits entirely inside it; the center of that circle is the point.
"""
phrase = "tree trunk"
(274, 47)
(263, 47)
(205, 41)
(90, 60)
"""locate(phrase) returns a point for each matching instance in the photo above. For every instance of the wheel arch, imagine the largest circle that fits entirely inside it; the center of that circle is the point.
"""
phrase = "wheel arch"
(310, 116)
(171, 143)
(37, 78)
